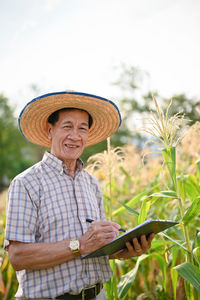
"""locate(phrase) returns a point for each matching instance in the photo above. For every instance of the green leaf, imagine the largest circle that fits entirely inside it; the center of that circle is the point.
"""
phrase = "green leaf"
(192, 211)
(194, 181)
(162, 264)
(169, 194)
(109, 289)
(171, 239)
(144, 211)
(181, 186)
(129, 209)
(133, 201)
(174, 276)
(196, 253)
(198, 165)
(128, 176)
(189, 273)
(127, 280)
(175, 250)
(192, 187)
(170, 160)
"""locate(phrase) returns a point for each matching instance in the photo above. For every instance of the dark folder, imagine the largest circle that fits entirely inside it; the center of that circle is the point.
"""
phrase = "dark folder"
(146, 228)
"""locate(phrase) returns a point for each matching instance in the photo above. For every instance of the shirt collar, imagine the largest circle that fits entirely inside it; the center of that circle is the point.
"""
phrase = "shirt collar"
(58, 164)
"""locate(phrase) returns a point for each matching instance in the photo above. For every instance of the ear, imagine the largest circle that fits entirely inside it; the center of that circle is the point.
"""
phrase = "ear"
(48, 131)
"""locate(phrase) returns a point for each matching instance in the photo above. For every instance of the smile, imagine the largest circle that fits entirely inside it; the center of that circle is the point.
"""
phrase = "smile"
(71, 146)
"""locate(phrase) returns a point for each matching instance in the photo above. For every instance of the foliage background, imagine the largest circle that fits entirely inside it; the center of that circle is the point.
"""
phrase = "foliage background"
(128, 181)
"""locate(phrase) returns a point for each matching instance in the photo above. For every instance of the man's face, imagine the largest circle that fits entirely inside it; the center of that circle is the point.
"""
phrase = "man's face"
(69, 135)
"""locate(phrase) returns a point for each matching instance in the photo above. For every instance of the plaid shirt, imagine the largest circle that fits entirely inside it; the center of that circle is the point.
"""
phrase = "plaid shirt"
(46, 204)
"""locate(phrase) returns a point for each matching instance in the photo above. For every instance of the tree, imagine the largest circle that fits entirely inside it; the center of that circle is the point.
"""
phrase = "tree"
(136, 103)
(16, 154)
(182, 104)
(130, 107)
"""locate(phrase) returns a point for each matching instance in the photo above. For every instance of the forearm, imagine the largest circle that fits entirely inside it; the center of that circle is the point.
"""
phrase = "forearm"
(34, 256)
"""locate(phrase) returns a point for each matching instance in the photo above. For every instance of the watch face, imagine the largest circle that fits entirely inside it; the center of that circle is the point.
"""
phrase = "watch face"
(74, 245)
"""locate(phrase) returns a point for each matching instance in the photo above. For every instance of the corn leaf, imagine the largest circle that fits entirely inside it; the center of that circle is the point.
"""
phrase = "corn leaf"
(2, 286)
(175, 254)
(162, 264)
(127, 280)
(198, 165)
(174, 276)
(133, 201)
(189, 273)
(192, 211)
(194, 181)
(196, 253)
(181, 186)
(170, 160)
(109, 289)
(4, 263)
(144, 211)
(129, 209)
(192, 187)
(169, 194)
(173, 240)
(128, 176)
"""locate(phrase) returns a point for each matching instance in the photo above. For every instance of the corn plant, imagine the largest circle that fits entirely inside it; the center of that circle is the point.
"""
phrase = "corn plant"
(166, 132)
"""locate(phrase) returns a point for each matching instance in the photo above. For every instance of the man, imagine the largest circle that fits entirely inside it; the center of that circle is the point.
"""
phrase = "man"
(46, 231)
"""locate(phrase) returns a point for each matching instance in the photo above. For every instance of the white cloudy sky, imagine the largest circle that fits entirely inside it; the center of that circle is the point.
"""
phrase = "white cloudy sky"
(77, 44)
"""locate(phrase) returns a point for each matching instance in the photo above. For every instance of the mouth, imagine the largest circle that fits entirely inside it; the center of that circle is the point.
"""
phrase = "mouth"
(71, 146)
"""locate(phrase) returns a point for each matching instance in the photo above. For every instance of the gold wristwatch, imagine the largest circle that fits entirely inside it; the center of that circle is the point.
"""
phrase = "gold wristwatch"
(74, 246)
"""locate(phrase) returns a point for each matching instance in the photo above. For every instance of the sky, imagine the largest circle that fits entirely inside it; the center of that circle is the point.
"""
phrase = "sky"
(81, 45)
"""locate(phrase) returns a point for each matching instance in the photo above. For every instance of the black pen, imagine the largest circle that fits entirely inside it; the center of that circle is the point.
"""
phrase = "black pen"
(90, 221)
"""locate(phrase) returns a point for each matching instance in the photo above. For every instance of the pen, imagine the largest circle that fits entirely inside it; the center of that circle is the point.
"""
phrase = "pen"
(90, 221)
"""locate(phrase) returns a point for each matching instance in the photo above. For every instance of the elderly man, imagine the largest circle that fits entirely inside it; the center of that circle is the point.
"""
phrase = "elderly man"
(46, 230)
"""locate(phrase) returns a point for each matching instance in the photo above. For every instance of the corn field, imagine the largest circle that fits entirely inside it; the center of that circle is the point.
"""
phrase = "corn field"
(162, 181)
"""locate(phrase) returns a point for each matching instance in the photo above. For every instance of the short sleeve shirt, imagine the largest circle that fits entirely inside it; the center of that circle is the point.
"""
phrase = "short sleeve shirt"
(45, 204)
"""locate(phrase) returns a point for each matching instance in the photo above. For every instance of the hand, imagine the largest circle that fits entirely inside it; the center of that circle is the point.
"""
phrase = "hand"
(135, 249)
(99, 234)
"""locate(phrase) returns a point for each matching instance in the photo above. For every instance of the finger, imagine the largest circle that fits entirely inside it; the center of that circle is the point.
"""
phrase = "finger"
(144, 243)
(129, 247)
(133, 251)
(150, 238)
(137, 245)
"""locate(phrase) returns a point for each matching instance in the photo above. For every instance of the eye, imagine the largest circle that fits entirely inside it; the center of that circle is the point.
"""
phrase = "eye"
(83, 128)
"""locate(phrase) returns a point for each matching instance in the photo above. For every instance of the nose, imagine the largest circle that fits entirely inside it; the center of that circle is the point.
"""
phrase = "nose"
(74, 134)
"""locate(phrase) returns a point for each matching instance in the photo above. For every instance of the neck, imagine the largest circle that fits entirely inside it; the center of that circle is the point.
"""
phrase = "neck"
(71, 167)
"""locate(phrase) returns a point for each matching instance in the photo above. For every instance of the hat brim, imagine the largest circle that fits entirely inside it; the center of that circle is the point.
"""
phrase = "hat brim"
(33, 118)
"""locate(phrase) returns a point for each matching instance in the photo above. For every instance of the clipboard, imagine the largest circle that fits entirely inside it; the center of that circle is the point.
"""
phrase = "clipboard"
(119, 243)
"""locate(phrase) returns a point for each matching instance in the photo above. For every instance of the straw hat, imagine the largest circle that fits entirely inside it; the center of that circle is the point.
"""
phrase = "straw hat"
(33, 118)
